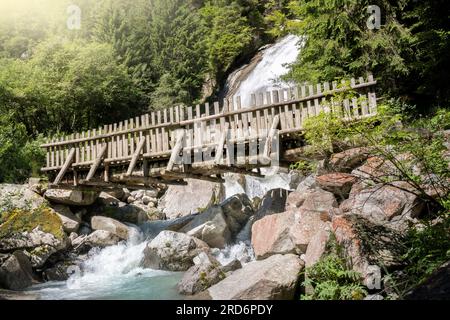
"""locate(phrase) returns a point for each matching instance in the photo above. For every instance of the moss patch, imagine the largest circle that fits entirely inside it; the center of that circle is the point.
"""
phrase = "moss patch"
(18, 220)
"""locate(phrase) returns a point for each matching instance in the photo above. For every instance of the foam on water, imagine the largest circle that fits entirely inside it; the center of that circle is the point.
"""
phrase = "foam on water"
(114, 273)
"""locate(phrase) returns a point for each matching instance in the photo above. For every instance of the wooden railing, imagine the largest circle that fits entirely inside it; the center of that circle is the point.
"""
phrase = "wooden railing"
(153, 135)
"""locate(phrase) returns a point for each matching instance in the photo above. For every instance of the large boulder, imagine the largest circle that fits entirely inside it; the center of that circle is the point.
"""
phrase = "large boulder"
(205, 273)
(172, 251)
(220, 224)
(237, 210)
(16, 273)
(71, 197)
(211, 227)
(274, 201)
(71, 223)
(101, 238)
(19, 197)
(313, 199)
(117, 228)
(152, 228)
(384, 204)
(291, 231)
(317, 246)
(272, 235)
(194, 197)
(338, 183)
(275, 278)
(348, 160)
(368, 246)
(124, 212)
(39, 232)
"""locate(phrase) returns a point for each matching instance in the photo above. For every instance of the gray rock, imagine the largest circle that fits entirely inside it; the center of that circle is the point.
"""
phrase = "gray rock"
(172, 251)
(309, 184)
(16, 273)
(117, 228)
(56, 273)
(71, 197)
(152, 228)
(211, 227)
(368, 246)
(20, 197)
(194, 197)
(200, 277)
(237, 210)
(232, 266)
(317, 246)
(71, 223)
(101, 238)
(135, 213)
(349, 159)
(275, 278)
(384, 204)
(273, 202)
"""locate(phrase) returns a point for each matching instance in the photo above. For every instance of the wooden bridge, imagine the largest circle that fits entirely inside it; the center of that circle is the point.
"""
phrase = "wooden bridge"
(167, 146)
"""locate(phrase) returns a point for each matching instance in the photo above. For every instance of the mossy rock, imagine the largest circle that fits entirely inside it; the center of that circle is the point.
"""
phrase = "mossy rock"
(19, 221)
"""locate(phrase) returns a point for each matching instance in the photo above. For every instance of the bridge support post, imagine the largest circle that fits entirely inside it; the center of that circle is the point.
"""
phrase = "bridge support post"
(65, 167)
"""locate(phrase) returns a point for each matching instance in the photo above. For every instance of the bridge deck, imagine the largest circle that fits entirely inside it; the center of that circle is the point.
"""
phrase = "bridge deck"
(166, 146)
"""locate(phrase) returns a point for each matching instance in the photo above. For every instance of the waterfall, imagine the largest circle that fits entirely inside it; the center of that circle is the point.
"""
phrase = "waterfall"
(264, 72)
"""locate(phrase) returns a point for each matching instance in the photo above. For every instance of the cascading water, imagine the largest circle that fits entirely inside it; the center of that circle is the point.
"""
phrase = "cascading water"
(263, 74)
(114, 273)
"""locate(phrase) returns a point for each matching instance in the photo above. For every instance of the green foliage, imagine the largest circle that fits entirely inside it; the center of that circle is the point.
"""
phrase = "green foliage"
(303, 166)
(331, 279)
(224, 44)
(407, 54)
(19, 157)
(427, 249)
(67, 86)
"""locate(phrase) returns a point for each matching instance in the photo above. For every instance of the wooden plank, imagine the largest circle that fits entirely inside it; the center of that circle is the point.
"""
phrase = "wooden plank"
(132, 125)
(177, 149)
(281, 111)
(101, 155)
(221, 145)
(69, 160)
(153, 134)
(159, 140)
(268, 144)
(83, 148)
(136, 155)
(147, 133)
(124, 139)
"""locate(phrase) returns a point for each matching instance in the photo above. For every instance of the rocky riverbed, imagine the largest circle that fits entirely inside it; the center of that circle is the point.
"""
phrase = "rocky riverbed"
(203, 240)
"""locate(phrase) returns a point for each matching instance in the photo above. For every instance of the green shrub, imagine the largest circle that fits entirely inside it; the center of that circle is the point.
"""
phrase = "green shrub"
(20, 157)
(426, 250)
(332, 279)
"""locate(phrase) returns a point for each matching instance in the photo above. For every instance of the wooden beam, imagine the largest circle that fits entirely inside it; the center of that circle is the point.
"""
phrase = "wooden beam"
(65, 167)
(135, 157)
(185, 175)
(219, 150)
(270, 137)
(177, 149)
(134, 180)
(97, 162)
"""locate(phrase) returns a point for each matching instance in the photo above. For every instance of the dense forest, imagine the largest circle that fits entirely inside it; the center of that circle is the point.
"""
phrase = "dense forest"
(129, 56)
